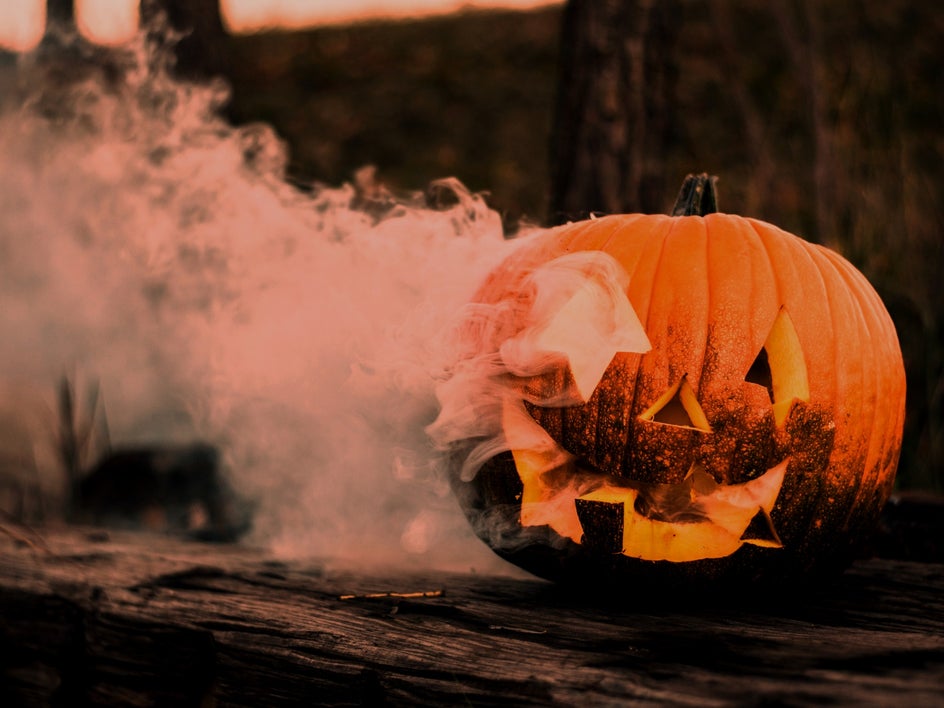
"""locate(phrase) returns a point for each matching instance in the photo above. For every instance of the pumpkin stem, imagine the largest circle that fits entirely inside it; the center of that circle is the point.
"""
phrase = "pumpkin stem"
(697, 197)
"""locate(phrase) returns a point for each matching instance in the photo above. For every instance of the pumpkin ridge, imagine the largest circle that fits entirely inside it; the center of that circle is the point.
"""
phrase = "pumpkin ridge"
(756, 275)
(663, 241)
(620, 225)
(597, 233)
(566, 240)
(857, 452)
(604, 436)
(610, 407)
(740, 255)
(577, 233)
(568, 426)
(658, 272)
(704, 237)
(850, 318)
(764, 246)
(708, 301)
(759, 275)
(652, 261)
(875, 326)
(893, 355)
(787, 249)
(774, 239)
(661, 232)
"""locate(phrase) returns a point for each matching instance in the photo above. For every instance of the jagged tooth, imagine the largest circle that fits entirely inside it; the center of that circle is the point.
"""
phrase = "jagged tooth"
(602, 523)
(761, 532)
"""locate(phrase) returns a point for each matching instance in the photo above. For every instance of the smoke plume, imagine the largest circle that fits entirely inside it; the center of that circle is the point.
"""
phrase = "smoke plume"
(149, 246)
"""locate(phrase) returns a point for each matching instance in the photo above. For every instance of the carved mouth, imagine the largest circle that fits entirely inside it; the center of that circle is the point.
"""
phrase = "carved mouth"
(694, 519)
(550, 346)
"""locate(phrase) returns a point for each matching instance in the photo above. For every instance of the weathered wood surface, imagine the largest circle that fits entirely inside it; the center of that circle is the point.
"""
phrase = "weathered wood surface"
(140, 620)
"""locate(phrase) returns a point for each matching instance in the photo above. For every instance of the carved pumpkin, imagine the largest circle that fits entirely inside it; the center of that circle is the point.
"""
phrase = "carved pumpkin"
(665, 398)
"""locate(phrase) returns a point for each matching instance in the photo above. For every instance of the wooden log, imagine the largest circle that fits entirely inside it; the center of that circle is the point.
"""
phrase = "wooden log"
(125, 619)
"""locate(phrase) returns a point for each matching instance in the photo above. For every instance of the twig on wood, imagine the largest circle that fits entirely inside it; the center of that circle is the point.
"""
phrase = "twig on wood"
(519, 630)
(399, 595)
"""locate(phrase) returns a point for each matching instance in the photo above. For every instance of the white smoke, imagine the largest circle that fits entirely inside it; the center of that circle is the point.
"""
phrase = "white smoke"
(148, 245)
(564, 320)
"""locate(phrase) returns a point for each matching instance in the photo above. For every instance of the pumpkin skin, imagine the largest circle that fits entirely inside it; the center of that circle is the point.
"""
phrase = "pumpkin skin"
(784, 366)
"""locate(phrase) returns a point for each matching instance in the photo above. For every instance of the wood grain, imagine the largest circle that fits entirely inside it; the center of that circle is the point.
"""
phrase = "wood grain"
(137, 620)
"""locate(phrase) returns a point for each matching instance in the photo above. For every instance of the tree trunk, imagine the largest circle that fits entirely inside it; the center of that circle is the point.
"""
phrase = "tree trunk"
(61, 15)
(615, 104)
(202, 51)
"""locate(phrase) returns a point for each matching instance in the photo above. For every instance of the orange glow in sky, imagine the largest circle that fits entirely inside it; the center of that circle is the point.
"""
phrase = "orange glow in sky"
(21, 23)
(107, 21)
(246, 15)
(113, 21)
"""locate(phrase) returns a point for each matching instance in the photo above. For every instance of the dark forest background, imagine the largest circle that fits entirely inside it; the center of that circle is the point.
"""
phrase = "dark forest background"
(824, 118)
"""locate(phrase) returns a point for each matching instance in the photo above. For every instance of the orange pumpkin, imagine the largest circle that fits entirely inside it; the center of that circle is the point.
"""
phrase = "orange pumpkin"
(698, 397)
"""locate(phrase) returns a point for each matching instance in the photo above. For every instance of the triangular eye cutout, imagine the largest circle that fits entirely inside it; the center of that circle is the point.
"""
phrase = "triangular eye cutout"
(780, 367)
(759, 373)
(678, 406)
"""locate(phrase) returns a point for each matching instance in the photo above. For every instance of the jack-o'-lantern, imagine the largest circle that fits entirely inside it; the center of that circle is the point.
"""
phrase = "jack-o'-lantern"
(668, 398)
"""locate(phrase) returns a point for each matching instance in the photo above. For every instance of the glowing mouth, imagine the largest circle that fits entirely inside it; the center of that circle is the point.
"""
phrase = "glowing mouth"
(697, 518)
(577, 316)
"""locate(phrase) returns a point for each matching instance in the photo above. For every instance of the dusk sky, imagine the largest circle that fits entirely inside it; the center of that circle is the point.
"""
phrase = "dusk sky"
(111, 21)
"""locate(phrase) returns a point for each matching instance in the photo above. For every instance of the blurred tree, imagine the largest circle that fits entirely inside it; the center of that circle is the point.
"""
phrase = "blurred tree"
(613, 119)
(65, 57)
(60, 14)
(203, 49)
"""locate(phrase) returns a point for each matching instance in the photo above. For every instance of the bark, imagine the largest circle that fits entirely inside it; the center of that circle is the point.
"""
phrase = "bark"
(803, 48)
(613, 118)
(61, 14)
(89, 618)
(731, 58)
(202, 51)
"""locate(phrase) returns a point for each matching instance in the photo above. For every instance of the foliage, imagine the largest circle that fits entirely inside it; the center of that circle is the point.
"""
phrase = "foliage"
(421, 100)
